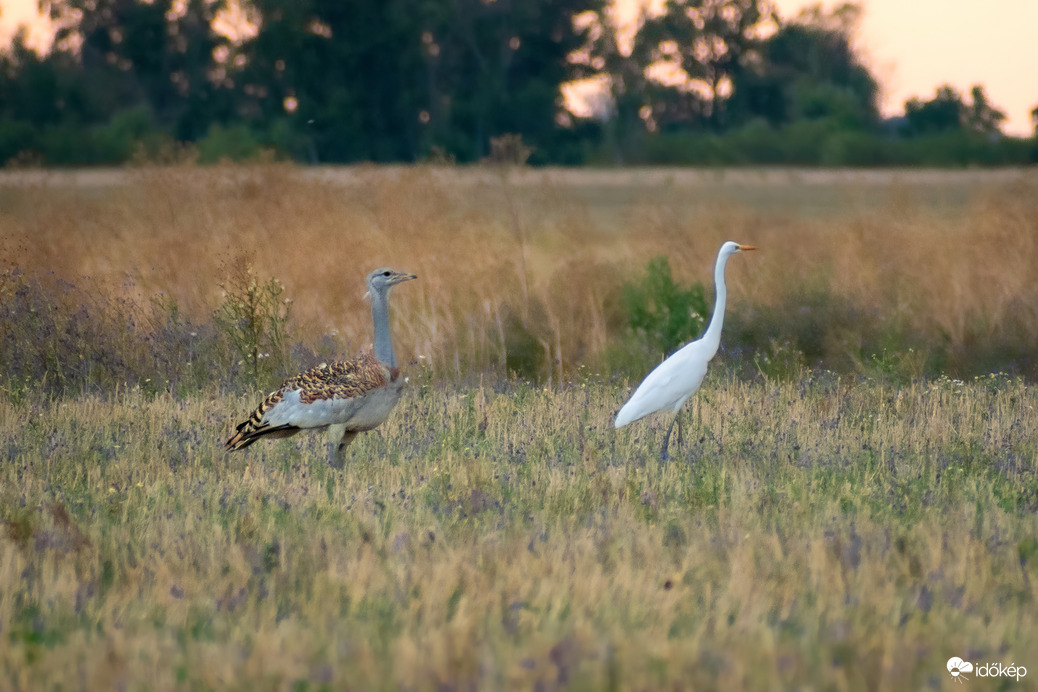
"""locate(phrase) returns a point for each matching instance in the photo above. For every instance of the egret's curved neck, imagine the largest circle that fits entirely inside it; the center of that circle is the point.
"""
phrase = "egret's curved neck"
(383, 340)
(712, 337)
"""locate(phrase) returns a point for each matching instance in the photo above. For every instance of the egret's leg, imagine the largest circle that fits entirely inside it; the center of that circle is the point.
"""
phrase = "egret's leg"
(666, 438)
(339, 438)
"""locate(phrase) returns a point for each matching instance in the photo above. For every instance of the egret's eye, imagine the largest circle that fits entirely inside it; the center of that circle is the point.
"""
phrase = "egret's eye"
(386, 273)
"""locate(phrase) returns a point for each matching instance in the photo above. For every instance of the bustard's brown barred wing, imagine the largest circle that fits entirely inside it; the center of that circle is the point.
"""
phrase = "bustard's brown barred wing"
(344, 380)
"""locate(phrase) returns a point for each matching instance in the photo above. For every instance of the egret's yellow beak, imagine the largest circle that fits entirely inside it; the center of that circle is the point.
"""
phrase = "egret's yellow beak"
(746, 248)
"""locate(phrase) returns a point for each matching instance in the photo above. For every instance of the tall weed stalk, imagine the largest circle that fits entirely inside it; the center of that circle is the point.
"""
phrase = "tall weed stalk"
(254, 318)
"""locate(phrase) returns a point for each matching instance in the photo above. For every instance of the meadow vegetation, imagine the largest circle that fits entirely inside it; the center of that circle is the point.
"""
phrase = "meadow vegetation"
(506, 537)
(853, 502)
(519, 273)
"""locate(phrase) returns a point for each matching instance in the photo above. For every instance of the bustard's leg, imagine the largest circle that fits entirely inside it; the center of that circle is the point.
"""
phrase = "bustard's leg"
(339, 438)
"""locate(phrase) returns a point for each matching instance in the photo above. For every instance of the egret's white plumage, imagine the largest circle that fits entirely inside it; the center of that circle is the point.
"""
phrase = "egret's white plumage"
(678, 377)
(346, 398)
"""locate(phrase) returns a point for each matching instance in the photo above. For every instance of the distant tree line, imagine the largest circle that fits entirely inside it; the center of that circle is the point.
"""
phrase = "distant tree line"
(330, 81)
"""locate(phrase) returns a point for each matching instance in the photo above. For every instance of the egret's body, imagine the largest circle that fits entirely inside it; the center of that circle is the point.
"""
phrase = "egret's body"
(346, 398)
(679, 376)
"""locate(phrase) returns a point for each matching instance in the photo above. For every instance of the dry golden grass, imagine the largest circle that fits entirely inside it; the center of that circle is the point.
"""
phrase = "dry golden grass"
(942, 260)
(823, 536)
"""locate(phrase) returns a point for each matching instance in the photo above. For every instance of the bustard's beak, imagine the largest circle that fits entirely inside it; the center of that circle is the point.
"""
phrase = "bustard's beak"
(396, 278)
(746, 248)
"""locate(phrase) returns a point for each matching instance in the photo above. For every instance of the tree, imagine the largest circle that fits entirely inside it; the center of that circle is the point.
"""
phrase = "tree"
(711, 45)
(342, 74)
(388, 81)
(503, 65)
(154, 53)
(942, 113)
(40, 90)
(628, 92)
(711, 64)
(981, 116)
(810, 70)
(947, 112)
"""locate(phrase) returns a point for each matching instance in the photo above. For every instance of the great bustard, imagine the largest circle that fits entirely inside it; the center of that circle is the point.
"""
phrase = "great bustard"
(347, 398)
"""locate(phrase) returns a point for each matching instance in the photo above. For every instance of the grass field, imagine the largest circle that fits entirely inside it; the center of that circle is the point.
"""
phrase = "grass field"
(847, 519)
(530, 265)
(811, 535)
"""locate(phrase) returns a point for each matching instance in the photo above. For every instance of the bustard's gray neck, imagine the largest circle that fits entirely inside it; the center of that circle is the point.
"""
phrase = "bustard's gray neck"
(380, 316)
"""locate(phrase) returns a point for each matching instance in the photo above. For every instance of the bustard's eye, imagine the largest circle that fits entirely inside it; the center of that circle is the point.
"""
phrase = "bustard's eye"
(386, 273)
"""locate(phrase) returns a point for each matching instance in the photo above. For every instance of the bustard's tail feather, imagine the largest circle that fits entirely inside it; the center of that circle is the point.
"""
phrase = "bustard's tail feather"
(254, 428)
(247, 434)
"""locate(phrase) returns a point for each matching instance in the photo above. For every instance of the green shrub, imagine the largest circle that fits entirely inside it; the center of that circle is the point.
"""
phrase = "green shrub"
(15, 138)
(129, 132)
(254, 318)
(661, 311)
(236, 143)
(782, 360)
(825, 141)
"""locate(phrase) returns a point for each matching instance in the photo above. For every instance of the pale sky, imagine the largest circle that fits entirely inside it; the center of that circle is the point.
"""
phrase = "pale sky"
(911, 46)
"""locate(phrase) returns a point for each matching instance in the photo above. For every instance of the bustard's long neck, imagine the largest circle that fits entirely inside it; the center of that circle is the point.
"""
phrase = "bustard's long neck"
(380, 316)
(713, 333)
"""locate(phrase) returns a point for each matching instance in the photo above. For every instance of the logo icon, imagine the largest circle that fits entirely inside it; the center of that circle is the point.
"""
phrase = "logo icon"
(957, 667)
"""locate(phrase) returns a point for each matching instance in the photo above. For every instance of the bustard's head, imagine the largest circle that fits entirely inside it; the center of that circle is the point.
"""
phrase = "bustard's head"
(383, 279)
(730, 248)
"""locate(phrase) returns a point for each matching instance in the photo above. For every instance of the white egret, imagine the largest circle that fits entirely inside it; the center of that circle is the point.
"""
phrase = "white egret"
(679, 376)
